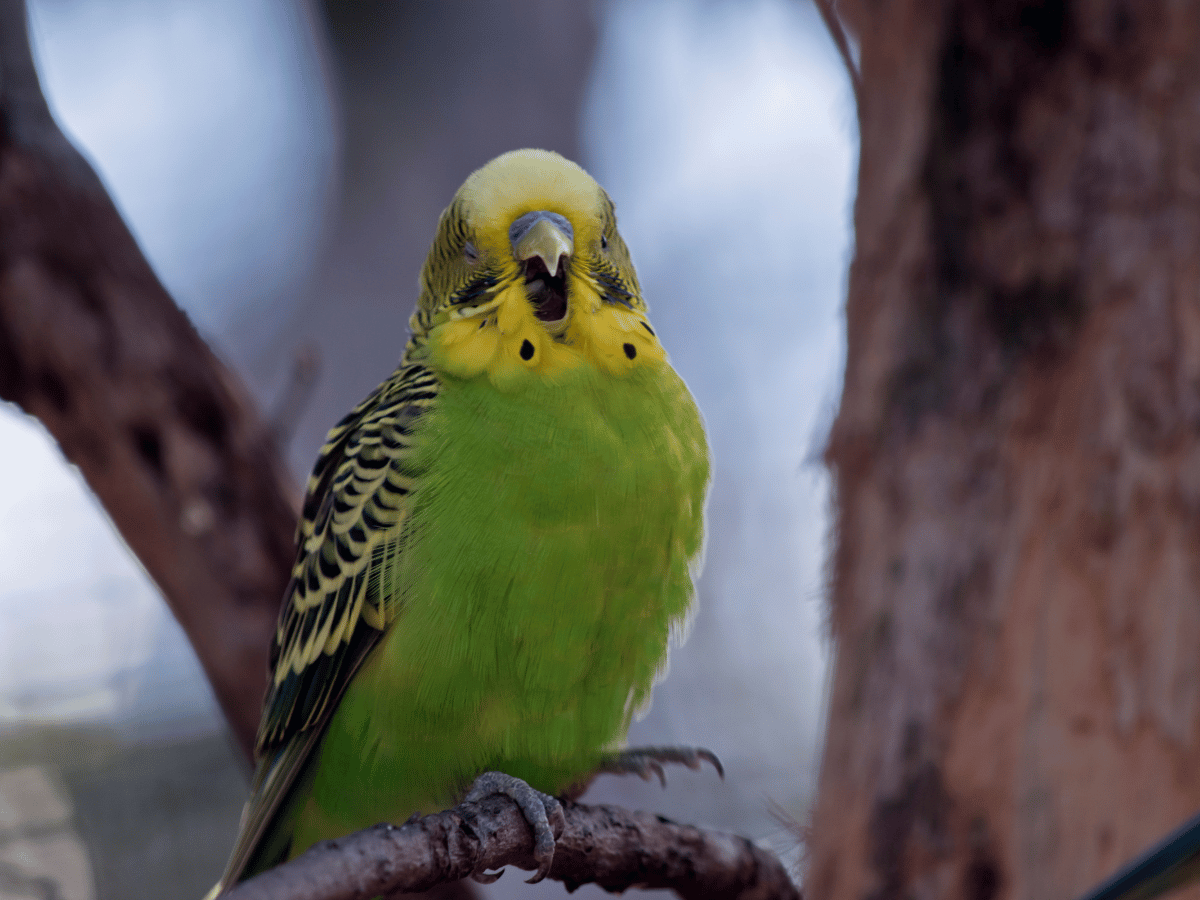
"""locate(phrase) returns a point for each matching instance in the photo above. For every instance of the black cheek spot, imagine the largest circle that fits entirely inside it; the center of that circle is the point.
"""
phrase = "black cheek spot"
(648, 328)
(527, 350)
(630, 350)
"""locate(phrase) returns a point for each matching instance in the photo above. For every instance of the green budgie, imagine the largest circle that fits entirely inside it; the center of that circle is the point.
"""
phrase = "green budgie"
(495, 545)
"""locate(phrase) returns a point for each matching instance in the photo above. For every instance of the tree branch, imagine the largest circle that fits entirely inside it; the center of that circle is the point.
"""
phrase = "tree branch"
(93, 346)
(604, 845)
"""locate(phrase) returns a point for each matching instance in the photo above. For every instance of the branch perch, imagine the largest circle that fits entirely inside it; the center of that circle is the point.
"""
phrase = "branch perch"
(604, 845)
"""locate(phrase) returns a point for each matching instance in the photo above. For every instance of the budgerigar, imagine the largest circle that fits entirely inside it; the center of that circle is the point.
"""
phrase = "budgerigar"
(496, 543)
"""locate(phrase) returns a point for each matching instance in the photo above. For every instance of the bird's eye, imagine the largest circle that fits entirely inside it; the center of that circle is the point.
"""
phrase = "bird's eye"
(470, 252)
(603, 242)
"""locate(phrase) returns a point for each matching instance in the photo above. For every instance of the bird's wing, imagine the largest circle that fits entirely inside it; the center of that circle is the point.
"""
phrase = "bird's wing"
(336, 606)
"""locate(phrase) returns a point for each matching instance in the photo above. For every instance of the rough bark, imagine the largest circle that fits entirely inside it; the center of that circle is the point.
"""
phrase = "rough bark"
(92, 345)
(1016, 694)
(602, 845)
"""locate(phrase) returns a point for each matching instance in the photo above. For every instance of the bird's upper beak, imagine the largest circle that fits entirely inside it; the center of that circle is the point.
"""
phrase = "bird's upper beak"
(543, 242)
(545, 235)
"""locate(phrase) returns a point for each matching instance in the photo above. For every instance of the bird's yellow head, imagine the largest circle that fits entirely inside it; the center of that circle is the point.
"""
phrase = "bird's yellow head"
(527, 274)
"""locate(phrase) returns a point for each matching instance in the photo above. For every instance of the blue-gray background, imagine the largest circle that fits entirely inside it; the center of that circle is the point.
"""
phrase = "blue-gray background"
(275, 171)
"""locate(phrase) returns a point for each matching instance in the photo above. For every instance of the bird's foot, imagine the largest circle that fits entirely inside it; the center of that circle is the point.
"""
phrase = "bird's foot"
(646, 762)
(543, 813)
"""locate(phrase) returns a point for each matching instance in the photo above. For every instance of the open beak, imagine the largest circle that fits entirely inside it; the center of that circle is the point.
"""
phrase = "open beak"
(543, 242)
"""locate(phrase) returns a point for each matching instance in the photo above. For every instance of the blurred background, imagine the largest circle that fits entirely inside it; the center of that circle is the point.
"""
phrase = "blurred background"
(283, 165)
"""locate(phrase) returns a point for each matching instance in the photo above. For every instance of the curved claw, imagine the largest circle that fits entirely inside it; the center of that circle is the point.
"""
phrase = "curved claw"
(710, 757)
(647, 762)
(543, 813)
(544, 841)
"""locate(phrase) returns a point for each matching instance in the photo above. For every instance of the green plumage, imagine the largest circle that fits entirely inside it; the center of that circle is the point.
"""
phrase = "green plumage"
(496, 544)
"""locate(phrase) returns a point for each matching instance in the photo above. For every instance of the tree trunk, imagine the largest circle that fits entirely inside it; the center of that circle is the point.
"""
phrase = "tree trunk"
(1017, 454)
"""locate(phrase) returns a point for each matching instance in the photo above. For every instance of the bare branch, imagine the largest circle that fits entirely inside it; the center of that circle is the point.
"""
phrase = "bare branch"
(604, 845)
(93, 346)
(833, 22)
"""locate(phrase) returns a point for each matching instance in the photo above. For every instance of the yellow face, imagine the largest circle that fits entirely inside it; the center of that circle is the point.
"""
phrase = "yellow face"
(527, 274)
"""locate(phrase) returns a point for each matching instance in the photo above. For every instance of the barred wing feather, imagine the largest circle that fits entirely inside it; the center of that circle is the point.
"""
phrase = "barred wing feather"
(334, 611)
